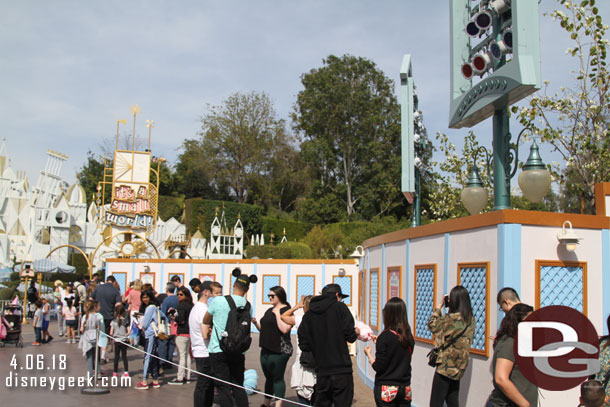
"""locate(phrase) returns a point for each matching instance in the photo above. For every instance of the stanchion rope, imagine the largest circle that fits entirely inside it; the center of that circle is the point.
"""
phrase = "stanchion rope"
(206, 375)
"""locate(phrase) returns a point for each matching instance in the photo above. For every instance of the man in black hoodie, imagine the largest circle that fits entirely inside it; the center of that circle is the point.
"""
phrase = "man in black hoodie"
(325, 331)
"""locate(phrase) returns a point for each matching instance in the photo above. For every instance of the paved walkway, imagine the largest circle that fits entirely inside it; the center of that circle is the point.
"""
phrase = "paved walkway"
(120, 397)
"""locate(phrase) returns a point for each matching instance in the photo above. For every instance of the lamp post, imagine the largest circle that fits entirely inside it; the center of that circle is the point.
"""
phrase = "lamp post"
(534, 179)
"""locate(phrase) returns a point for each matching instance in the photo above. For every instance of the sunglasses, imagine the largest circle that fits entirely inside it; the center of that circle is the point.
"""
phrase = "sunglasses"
(180, 294)
(271, 296)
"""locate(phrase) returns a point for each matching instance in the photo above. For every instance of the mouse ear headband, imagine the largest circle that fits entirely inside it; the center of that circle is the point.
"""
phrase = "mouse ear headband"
(243, 279)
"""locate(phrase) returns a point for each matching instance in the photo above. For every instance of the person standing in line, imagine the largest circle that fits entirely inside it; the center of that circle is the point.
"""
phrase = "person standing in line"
(604, 362)
(183, 339)
(70, 313)
(324, 331)
(508, 298)
(92, 321)
(133, 297)
(119, 330)
(511, 388)
(151, 343)
(108, 296)
(195, 284)
(176, 280)
(204, 388)
(37, 323)
(453, 333)
(592, 394)
(167, 346)
(228, 367)
(392, 361)
(80, 296)
(46, 319)
(275, 344)
(58, 295)
(303, 372)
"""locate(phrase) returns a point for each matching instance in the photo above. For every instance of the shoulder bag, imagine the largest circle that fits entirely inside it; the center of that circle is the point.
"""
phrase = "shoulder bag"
(434, 352)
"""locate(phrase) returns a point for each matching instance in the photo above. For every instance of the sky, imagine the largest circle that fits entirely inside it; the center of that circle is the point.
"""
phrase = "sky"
(70, 69)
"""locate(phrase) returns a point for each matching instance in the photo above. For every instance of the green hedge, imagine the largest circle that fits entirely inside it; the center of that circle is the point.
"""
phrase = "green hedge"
(288, 250)
(295, 231)
(7, 293)
(170, 207)
(199, 213)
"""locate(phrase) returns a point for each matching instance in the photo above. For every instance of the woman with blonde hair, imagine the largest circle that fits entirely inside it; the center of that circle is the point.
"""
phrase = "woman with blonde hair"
(133, 297)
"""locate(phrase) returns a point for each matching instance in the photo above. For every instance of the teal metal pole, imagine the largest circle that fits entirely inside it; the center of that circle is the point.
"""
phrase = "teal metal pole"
(416, 221)
(501, 144)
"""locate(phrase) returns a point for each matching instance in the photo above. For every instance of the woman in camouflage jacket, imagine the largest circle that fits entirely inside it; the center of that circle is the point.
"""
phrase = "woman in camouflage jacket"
(456, 329)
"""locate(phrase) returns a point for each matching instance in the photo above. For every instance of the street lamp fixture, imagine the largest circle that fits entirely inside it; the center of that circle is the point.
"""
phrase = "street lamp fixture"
(568, 237)
(474, 196)
(534, 179)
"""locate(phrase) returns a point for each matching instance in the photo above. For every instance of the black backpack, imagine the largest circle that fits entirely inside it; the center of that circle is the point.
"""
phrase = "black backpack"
(76, 302)
(236, 337)
(32, 294)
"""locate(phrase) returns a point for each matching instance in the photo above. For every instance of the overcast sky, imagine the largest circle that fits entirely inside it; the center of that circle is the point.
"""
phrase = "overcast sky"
(69, 69)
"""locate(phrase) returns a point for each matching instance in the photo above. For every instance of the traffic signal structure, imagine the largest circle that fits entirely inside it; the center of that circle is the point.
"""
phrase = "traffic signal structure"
(497, 41)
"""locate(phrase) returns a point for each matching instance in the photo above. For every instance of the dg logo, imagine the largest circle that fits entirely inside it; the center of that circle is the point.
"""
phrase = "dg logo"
(557, 348)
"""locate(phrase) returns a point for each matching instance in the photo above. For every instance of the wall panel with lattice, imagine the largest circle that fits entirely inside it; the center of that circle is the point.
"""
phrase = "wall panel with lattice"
(306, 285)
(270, 280)
(561, 283)
(425, 299)
(345, 282)
(374, 299)
(475, 278)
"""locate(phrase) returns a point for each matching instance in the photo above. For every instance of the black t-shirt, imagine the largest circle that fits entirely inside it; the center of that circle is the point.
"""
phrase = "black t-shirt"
(392, 361)
(270, 335)
(182, 317)
(107, 295)
(504, 350)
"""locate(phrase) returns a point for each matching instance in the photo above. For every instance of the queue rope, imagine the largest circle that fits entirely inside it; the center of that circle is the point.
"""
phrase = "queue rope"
(206, 375)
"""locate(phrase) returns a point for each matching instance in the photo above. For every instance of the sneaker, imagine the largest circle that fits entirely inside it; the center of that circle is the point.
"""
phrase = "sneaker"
(142, 386)
(60, 334)
(156, 384)
(126, 374)
(35, 343)
(176, 382)
(68, 341)
(50, 339)
(115, 374)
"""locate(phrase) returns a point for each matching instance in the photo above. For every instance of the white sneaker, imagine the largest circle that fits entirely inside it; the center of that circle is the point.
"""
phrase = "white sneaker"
(68, 341)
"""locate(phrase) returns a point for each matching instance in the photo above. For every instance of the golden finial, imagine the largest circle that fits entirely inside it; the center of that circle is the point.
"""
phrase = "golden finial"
(124, 121)
(217, 208)
(238, 215)
(284, 232)
(150, 125)
(135, 109)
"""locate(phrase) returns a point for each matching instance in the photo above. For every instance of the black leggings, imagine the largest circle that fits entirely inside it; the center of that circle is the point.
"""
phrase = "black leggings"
(120, 350)
(444, 389)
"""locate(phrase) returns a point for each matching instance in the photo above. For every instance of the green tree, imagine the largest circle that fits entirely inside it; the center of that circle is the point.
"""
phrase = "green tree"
(350, 121)
(238, 152)
(90, 174)
(575, 121)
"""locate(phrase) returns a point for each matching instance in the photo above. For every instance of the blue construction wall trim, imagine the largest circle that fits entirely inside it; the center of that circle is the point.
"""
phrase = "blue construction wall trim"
(191, 271)
(446, 266)
(222, 278)
(509, 260)
(367, 317)
(383, 276)
(254, 289)
(288, 293)
(606, 276)
(407, 276)
(162, 282)
(133, 271)
(323, 275)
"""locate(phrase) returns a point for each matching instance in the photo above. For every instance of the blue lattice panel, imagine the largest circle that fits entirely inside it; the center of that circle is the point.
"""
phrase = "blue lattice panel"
(121, 279)
(474, 279)
(561, 286)
(268, 282)
(305, 286)
(346, 287)
(424, 301)
(374, 298)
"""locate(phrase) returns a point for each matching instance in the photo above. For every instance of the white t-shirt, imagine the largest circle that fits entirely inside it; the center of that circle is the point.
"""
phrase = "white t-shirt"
(199, 345)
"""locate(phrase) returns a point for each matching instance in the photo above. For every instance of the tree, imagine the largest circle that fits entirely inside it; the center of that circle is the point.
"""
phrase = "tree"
(238, 143)
(90, 174)
(350, 121)
(575, 121)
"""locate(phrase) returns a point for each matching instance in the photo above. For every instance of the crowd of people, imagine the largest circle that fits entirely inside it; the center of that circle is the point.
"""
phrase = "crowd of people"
(214, 330)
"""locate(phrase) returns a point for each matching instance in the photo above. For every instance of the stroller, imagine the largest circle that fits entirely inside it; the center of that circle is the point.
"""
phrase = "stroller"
(11, 319)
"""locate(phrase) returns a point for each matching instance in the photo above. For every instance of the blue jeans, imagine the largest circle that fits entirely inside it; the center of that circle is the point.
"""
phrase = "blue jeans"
(91, 361)
(151, 364)
(166, 349)
(38, 332)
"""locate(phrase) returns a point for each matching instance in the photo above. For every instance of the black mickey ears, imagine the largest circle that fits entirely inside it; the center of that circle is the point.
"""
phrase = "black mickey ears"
(245, 279)
(236, 272)
(253, 278)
